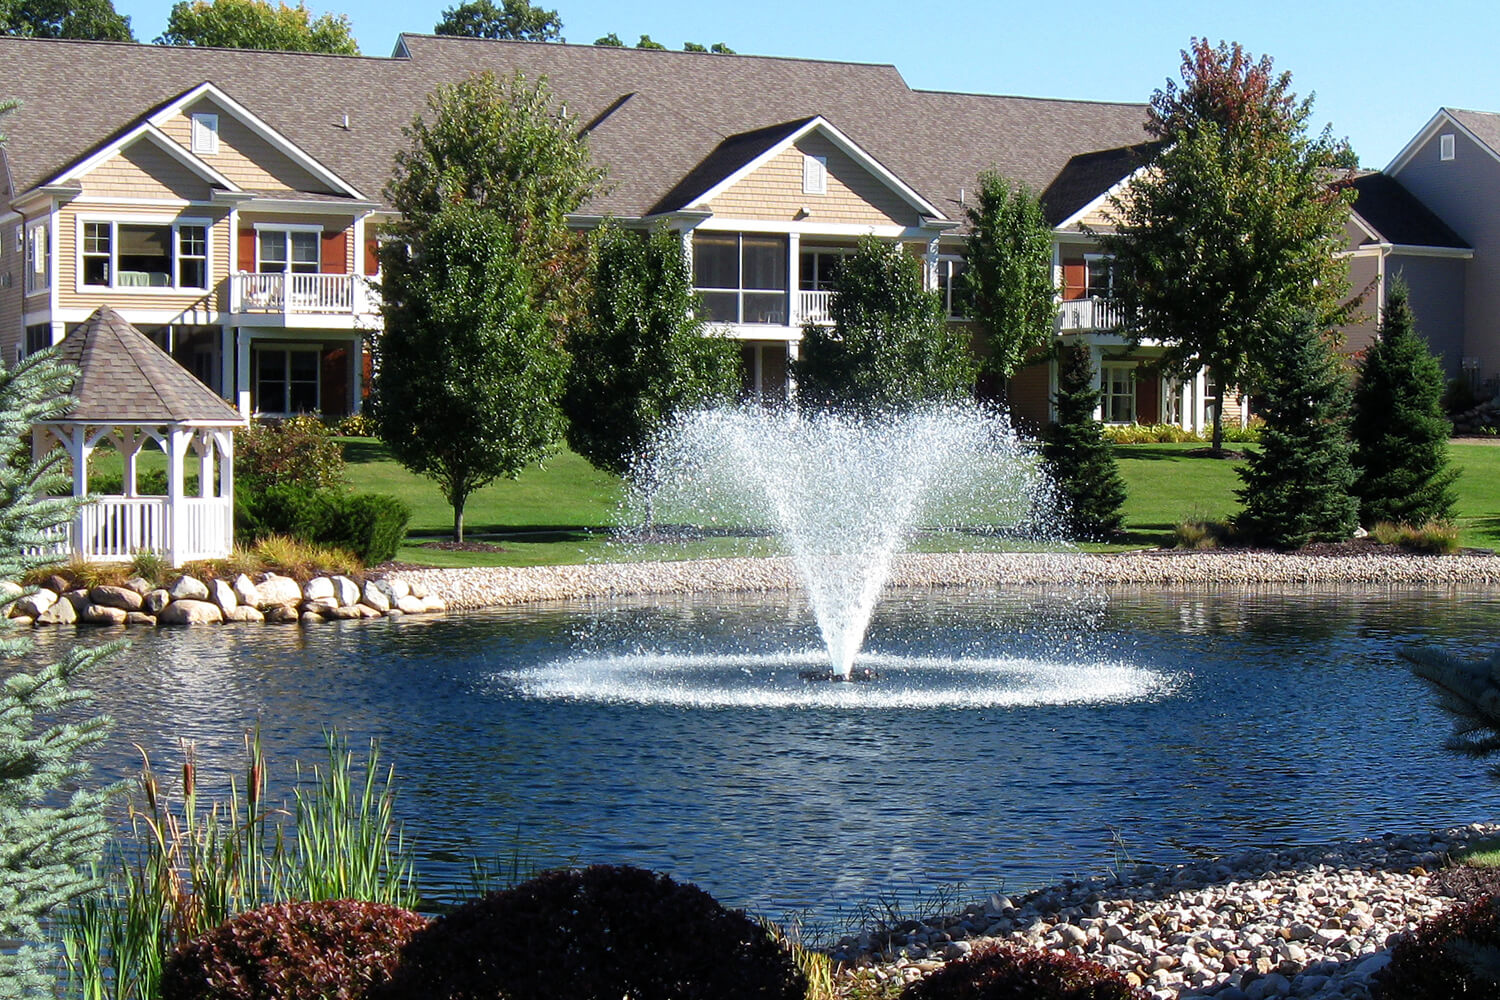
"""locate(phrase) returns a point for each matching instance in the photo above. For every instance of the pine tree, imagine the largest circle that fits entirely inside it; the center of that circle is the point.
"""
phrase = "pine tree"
(1400, 432)
(1080, 461)
(48, 836)
(1297, 485)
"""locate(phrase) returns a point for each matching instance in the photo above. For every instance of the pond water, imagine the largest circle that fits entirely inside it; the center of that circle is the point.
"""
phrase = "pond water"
(1013, 739)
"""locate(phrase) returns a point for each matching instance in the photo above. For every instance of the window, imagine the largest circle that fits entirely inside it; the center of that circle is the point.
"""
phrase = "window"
(953, 287)
(38, 263)
(38, 337)
(1171, 401)
(1100, 280)
(1445, 146)
(818, 269)
(740, 278)
(205, 134)
(1118, 401)
(286, 380)
(144, 255)
(814, 174)
(283, 250)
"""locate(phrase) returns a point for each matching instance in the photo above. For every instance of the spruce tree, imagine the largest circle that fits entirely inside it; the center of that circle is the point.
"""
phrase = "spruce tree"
(1400, 432)
(1080, 461)
(48, 834)
(1297, 485)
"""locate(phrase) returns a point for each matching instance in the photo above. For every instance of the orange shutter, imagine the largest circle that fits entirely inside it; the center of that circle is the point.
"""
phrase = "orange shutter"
(1075, 279)
(336, 252)
(372, 255)
(247, 250)
(1148, 395)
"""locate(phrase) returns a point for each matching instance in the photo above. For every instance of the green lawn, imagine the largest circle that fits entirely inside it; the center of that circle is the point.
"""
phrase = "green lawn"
(559, 512)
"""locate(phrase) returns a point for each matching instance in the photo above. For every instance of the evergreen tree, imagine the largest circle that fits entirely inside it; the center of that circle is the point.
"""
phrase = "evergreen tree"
(1298, 483)
(1080, 460)
(641, 356)
(51, 828)
(1400, 432)
(890, 346)
(1010, 272)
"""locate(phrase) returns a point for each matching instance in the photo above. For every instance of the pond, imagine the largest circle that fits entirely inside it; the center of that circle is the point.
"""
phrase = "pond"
(1140, 726)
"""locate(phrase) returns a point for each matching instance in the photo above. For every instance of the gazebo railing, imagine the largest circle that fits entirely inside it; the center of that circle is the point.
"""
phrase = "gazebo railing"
(115, 528)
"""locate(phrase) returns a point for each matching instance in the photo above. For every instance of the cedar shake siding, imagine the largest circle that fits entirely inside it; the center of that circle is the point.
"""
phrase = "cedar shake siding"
(73, 294)
(774, 193)
(243, 156)
(145, 170)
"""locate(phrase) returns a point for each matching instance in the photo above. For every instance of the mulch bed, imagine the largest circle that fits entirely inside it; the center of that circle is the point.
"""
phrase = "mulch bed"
(465, 546)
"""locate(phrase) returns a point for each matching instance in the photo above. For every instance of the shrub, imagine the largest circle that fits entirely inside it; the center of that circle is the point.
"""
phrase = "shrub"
(370, 525)
(358, 425)
(995, 973)
(1080, 461)
(591, 934)
(296, 451)
(1439, 538)
(303, 560)
(1200, 535)
(1456, 953)
(334, 950)
(148, 483)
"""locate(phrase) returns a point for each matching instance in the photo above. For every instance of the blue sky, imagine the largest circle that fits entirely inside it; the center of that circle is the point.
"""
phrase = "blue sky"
(1378, 75)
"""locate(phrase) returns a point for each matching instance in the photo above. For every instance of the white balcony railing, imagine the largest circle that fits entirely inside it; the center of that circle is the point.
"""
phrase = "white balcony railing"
(1092, 313)
(304, 294)
(812, 307)
(115, 528)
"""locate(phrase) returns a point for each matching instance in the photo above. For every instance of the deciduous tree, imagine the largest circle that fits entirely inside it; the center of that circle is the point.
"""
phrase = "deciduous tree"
(1009, 272)
(1231, 232)
(468, 374)
(890, 346)
(257, 24)
(1080, 460)
(89, 20)
(610, 41)
(514, 19)
(1400, 431)
(641, 356)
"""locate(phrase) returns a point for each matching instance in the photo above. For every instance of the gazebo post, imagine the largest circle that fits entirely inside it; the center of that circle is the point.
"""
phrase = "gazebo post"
(225, 440)
(178, 440)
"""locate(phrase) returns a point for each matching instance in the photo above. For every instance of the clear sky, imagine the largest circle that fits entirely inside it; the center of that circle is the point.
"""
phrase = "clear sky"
(1379, 70)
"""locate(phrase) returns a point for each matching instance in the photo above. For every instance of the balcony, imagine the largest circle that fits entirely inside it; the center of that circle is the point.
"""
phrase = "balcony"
(1093, 314)
(298, 299)
(812, 307)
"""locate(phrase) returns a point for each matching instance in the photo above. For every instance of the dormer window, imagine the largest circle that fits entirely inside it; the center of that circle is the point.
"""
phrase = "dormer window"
(205, 134)
(1445, 146)
(814, 174)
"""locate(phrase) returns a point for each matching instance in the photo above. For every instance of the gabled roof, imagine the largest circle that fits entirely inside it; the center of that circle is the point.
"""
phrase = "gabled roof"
(147, 131)
(1087, 176)
(1395, 216)
(124, 378)
(727, 159)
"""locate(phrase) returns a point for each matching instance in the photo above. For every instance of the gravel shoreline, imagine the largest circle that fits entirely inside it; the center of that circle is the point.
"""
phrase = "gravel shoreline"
(469, 589)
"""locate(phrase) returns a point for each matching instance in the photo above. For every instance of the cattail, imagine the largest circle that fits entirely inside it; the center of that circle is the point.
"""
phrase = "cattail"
(148, 784)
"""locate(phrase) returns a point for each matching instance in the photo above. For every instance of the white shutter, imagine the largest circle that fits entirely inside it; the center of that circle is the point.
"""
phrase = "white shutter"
(205, 134)
(814, 174)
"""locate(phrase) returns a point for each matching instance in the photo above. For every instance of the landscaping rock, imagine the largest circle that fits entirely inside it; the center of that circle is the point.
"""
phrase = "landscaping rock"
(344, 613)
(122, 598)
(410, 605)
(321, 605)
(318, 588)
(365, 611)
(34, 604)
(311, 618)
(10, 590)
(23, 621)
(155, 601)
(223, 595)
(346, 590)
(430, 604)
(280, 614)
(418, 590)
(395, 589)
(278, 590)
(374, 596)
(140, 585)
(190, 612)
(102, 614)
(243, 613)
(246, 592)
(60, 612)
(189, 588)
(61, 584)
(139, 618)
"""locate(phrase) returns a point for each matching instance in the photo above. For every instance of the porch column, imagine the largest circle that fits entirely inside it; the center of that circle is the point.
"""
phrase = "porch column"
(356, 376)
(226, 362)
(793, 352)
(242, 371)
(1096, 362)
(794, 279)
(930, 265)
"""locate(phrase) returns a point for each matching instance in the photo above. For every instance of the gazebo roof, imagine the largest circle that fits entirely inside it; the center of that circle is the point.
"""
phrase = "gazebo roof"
(125, 378)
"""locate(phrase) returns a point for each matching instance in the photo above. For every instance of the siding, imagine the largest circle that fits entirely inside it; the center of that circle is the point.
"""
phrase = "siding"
(70, 297)
(1437, 301)
(145, 170)
(243, 156)
(1029, 398)
(774, 192)
(1359, 333)
(1461, 192)
(12, 265)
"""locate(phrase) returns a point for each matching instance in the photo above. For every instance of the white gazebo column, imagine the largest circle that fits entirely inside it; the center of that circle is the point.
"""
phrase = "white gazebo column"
(179, 439)
(203, 444)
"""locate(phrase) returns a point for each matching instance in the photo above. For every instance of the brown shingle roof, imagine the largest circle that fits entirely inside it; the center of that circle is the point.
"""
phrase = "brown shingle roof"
(124, 377)
(1484, 124)
(1397, 216)
(656, 116)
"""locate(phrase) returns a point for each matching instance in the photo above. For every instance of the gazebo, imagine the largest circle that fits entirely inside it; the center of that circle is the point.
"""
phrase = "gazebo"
(131, 393)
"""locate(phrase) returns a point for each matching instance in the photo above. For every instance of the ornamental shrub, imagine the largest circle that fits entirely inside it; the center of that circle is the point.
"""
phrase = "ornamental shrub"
(1080, 461)
(297, 450)
(996, 973)
(1455, 954)
(332, 950)
(596, 933)
(370, 525)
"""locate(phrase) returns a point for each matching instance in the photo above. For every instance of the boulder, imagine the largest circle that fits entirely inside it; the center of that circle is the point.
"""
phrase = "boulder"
(155, 601)
(418, 591)
(318, 588)
(365, 611)
(243, 613)
(373, 596)
(139, 618)
(61, 584)
(280, 614)
(311, 618)
(278, 590)
(122, 598)
(321, 605)
(345, 613)
(58, 613)
(223, 595)
(431, 603)
(410, 605)
(346, 590)
(190, 612)
(189, 588)
(23, 621)
(246, 592)
(102, 614)
(394, 589)
(34, 603)
(10, 590)
(140, 585)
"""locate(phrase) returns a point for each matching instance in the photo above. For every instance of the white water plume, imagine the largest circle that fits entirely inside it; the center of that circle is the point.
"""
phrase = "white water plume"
(842, 492)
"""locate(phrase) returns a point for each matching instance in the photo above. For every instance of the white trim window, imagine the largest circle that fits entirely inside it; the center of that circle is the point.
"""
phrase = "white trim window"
(741, 277)
(818, 267)
(953, 288)
(205, 134)
(1446, 146)
(1099, 276)
(287, 379)
(814, 174)
(38, 263)
(142, 255)
(1117, 398)
(288, 248)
